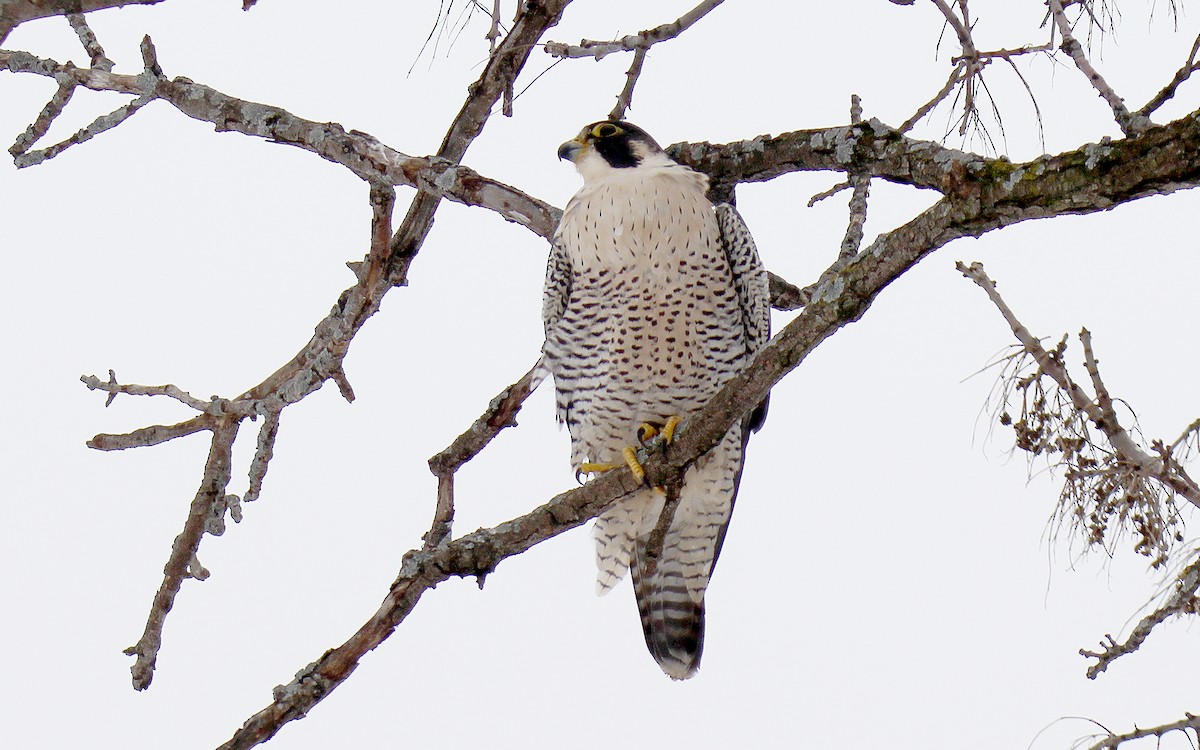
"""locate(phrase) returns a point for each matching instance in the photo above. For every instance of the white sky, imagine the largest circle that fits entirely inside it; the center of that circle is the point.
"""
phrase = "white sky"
(888, 578)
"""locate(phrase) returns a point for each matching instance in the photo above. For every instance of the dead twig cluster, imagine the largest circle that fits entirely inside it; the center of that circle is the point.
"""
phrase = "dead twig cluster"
(1112, 485)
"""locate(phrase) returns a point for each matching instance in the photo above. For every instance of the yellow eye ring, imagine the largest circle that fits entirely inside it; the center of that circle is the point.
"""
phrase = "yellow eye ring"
(606, 130)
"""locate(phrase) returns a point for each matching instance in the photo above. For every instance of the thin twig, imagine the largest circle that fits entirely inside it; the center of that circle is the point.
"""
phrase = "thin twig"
(1130, 124)
(215, 407)
(493, 34)
(90, 44)
(1181, 75)
(181, 564)
(1191, 430)
(44, 120)
(1182, 600)
(625, 98)
(1190, 722)
(641, 40)
(956, 75)
(649, 556)
(98, 126)
(152, 435)
(858, 199)
(263, 454)
(500, 414)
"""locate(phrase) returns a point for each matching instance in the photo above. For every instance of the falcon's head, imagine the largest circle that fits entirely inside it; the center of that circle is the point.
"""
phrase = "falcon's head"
(610, 144)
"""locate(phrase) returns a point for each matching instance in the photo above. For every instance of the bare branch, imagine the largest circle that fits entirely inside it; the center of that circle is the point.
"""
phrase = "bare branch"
(642, 40)
(858, 200)
(500, 414)
(1190, 432)
(649, 556)
(961, 29)
(473, 555)
(625, 98)
(359, 152)
(785, 295)
(493, 34)
(1122, 487)
(1130, 124)
(98, 126)
(1182, 601)
(262, 456)
(829, 193)
(1099, 411)
(13, 13)
(383, 202)
(322, 358)
(957, 74)
(153, 435)
(206, 514)
(214, 407)
(88, 39)
(1190, 723)
(44, 120)
(1168, 91)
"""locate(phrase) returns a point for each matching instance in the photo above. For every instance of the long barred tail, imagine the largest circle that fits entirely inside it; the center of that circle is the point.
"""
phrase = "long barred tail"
(671, 598)
(672, 620)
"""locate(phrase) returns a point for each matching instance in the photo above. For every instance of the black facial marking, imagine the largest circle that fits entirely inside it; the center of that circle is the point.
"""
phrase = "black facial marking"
(617, 149)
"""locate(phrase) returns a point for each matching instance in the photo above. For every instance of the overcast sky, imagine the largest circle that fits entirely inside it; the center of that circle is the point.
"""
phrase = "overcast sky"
(890, 577)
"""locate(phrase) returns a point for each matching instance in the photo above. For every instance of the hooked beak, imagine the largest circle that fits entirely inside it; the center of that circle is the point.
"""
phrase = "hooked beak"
(570, 149)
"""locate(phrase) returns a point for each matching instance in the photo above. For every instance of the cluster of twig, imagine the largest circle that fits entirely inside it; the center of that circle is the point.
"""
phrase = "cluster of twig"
(1112, 485)
(967, 85)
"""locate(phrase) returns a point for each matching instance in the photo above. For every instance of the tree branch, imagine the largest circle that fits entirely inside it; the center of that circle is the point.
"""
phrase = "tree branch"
(1130, 124)
(1168, 91)
(205, 514)
(978, 207)
(1190, 722)
(1098, 410)
(13, 13)
(640, 41)
(1182, 601)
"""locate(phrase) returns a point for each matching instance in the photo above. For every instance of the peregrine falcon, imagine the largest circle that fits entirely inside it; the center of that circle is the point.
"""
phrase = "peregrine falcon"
(654, 298)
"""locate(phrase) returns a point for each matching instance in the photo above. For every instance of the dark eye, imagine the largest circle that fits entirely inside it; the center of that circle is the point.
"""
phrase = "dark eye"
(606, 130)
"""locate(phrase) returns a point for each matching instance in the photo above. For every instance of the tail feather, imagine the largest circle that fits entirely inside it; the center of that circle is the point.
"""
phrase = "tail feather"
(614, 532)
(671, 597)
(672, 619)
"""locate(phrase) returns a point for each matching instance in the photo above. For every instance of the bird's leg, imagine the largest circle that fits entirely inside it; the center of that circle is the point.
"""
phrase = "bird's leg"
(668, 430)
(631, 461)
(630, 456)
(648, 431)
(594, 468)
(645, 433)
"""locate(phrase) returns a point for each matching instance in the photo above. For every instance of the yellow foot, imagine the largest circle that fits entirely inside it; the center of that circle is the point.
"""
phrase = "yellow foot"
(650, 430)
(631, 461)
(589, 468)
(668, 430)
(597, 468)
